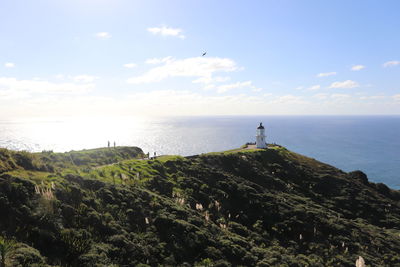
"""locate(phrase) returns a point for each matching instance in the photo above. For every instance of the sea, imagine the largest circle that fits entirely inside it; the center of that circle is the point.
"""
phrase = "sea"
(367, 143)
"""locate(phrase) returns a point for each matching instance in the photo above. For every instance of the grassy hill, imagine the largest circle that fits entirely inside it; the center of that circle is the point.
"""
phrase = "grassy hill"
(108, 207)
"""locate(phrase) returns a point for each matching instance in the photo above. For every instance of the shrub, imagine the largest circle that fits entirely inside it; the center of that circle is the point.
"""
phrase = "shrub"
(26, 256)
(6, 247)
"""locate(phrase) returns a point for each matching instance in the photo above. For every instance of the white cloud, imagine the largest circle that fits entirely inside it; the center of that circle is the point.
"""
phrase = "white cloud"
(208, 80)
(130, 65)
(357, 67)
(314, 87)
(299, 88)
(9, 65)
(340, 96)
(289, 99)
(391, 63)
(396, 97)
(372, 97)
(209, 87)
(9, 94)
(84, 78)
(325, 74)
(103, 35)
(227, 87)
(14, 87)
(200, 67)
(345, 84)
(321, 96)
(155, 61)
(174, 102)
(167, 31)
(15, 103)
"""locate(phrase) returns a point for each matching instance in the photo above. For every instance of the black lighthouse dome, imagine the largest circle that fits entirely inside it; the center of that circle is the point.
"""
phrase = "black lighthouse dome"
(261, 126)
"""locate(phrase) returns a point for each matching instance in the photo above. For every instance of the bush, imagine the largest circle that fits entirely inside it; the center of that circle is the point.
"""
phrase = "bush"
(26, 256)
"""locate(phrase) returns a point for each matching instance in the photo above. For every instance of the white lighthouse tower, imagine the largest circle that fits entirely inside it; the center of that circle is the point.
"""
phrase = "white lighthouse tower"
(260, 137)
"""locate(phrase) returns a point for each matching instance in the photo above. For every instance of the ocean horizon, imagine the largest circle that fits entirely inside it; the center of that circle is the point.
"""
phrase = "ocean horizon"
(366, 143)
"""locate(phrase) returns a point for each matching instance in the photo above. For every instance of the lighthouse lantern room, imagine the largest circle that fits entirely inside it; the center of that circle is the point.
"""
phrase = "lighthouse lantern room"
(260, 137)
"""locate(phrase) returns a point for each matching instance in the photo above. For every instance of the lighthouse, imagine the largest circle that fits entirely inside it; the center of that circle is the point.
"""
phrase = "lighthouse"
(260, 137)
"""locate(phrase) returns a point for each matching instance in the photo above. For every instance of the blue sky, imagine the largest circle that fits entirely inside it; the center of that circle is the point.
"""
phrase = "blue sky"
(120, 57)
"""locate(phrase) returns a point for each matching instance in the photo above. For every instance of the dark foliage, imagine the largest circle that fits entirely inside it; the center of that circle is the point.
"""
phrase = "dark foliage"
(260, 208)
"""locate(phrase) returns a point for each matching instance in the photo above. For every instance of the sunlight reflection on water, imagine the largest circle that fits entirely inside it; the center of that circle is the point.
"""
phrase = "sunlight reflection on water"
(164, 135)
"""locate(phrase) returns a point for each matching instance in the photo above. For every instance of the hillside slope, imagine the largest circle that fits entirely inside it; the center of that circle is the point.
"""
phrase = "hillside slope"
(248, 208)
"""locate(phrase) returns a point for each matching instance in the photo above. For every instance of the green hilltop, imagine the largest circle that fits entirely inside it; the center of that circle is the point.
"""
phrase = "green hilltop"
(244, 207)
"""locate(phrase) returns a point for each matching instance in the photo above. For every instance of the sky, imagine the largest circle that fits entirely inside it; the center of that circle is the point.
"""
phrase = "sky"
(141, 58)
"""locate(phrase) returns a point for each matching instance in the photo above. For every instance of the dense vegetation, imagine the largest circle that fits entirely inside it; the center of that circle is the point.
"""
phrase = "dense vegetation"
(108, 207)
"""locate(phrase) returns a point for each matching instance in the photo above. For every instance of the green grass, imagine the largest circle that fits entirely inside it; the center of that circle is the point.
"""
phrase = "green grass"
(110, 164)
(128, 168)
(91, 157)
(244, 149)
(36, 176)
(169, 157)
(232, 151)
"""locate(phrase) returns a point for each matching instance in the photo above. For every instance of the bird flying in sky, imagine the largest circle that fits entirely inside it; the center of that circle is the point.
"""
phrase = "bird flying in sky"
(204, 54)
